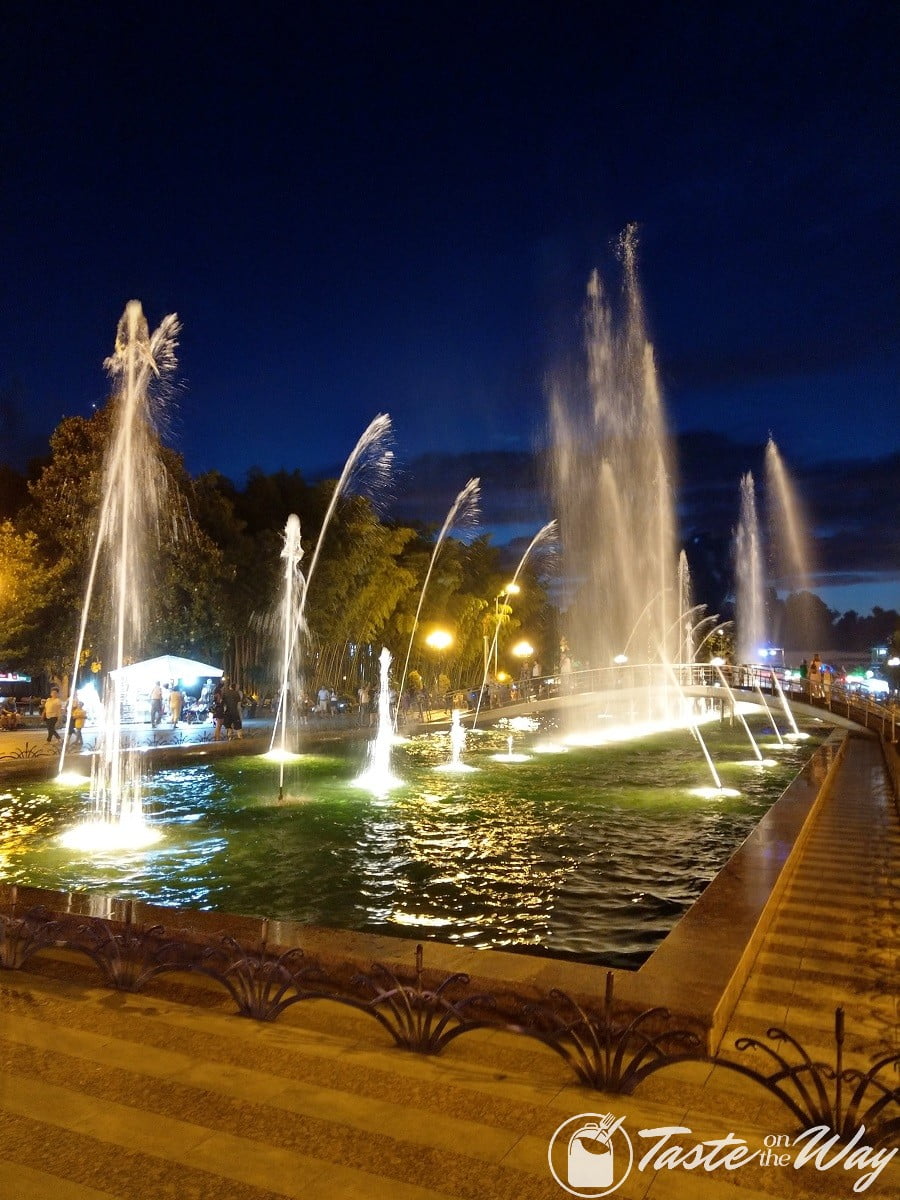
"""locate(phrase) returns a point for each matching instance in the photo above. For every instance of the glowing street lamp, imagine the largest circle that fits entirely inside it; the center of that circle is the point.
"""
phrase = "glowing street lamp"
(439, 640)
(523, 649)
(511, 589)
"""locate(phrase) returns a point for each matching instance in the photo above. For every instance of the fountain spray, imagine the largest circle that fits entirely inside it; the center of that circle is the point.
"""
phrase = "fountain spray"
(464, 507)
(133, 480)
(369, 450)
(292, 553)
(750, 581)
(547, 531)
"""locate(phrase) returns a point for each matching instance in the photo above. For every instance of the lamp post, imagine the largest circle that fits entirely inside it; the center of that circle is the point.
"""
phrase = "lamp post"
(511, 589)
(439, 640)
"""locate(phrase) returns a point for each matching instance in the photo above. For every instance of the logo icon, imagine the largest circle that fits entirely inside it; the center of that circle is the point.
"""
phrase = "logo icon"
(590, 1155)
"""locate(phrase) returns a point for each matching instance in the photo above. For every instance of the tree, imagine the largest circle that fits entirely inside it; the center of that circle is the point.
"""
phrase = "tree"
(182, 586)
(28, 590)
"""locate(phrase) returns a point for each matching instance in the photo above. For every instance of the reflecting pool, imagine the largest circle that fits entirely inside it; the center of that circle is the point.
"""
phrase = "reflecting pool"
(593, 853)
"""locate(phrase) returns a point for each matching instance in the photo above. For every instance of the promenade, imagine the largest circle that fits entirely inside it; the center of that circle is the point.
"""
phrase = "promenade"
(112, 1096)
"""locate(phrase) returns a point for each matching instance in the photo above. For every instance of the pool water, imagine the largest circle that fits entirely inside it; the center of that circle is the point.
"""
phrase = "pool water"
(592, 853)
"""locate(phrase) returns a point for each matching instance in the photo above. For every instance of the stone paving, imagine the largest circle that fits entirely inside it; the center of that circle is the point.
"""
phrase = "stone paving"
(108, 1096)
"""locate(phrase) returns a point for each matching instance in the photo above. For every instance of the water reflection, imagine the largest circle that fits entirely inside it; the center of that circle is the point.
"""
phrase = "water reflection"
(595, 852)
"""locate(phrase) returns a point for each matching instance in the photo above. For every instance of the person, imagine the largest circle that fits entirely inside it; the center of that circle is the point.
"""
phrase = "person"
(51, 712)
(9, 714)
(324, 698)
(79, 716)
(176, 703)
(217, 708)
(156, 708)
(231, 699)
(815, 676)
(365, 698)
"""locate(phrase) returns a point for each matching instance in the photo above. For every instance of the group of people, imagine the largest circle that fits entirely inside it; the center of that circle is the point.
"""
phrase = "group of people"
(226, 711)
(52, 712)
(160, 699)
(819, 676)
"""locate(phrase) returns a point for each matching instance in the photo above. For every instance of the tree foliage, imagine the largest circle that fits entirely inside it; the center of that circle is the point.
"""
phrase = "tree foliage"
(28, 593)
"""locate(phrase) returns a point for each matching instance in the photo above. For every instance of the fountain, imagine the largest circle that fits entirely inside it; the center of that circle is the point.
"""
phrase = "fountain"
(458, 733)
(291, 629)
(613, 489)
(464, 508)
(545, 532)
(370, 455)
(378, 777)
(749, 577)
(768, 711)
(738, 711)
(686, 610)
(795, 733)
(788, 523)
(131, 510)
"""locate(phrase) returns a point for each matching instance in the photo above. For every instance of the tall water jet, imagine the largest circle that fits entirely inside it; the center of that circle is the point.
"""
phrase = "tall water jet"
(130, 512)
(788, 523)
(686, 610)
(378, 777)
(291, 628)
(614, 493)
(749, 578)
(464, 508)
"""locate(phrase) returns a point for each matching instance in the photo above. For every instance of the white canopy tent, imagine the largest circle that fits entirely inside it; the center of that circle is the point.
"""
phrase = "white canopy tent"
(166, 668)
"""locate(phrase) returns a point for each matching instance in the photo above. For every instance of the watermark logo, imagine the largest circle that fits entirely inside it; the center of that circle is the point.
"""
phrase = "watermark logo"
(591, 1155)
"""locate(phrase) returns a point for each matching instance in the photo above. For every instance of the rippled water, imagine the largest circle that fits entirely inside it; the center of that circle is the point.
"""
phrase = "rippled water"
(594, 853)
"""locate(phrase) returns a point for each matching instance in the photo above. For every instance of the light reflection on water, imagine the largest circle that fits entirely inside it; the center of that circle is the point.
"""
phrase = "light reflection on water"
(595, 852)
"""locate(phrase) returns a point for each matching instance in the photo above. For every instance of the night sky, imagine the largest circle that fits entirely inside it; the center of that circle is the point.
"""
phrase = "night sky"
(365, 208)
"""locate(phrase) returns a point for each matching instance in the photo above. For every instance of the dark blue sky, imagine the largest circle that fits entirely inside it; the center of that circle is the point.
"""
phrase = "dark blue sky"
(360, 208)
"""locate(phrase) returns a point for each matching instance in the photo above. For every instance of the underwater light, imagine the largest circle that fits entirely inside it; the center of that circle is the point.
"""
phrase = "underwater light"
(100, 836)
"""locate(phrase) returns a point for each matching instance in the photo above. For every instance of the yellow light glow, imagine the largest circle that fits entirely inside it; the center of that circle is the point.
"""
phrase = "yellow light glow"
(439, 639)
(98, 836)
(523, 649)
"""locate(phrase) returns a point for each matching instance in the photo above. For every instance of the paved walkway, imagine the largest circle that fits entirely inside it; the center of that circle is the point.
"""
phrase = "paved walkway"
(106, 1096)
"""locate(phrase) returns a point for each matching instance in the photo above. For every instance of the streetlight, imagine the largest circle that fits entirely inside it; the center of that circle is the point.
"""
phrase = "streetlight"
(511, 589)
(439, 640)
(523, 650)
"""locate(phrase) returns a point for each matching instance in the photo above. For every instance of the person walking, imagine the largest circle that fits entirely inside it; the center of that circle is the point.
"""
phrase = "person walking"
(51, 712)
(176, 703)
(79, 716)
(231, 699)
(217, 708)
(156, 705)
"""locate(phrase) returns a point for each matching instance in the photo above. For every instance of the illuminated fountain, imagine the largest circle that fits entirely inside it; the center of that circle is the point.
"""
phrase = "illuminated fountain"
(131, 511)
(614, 496)
(378, 778)
(291, 629)
(545, 533)
(458, 733)
(463, 509)
(788, 522)
(369, 459)
(749, 578)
